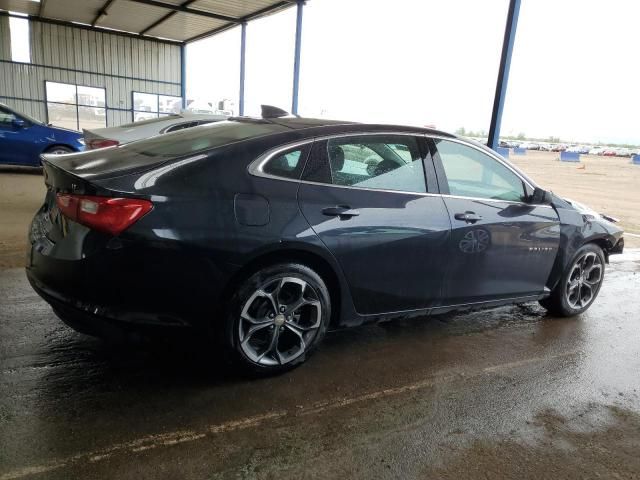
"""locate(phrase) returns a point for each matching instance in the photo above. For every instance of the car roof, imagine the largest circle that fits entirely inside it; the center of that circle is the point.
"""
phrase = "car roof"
(318, 126)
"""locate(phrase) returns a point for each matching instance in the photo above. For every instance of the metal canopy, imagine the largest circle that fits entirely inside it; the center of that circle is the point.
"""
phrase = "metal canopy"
(176, 20)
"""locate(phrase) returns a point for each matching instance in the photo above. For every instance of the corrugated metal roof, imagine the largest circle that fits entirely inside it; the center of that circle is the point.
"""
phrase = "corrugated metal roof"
(178, 20)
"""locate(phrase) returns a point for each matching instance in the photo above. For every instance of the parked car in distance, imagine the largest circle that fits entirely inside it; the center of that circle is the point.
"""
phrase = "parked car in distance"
(108, 137)
(23, 139)
(610, 152)
(596, 150)
(530, 146)
(263, 233)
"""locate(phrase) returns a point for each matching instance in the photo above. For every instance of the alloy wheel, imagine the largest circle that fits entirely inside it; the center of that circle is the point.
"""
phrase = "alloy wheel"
(279, 321)
(584, 280)
(58, 151)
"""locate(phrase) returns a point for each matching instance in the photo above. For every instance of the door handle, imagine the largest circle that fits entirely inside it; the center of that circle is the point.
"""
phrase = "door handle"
(342, 211)
(469, 217)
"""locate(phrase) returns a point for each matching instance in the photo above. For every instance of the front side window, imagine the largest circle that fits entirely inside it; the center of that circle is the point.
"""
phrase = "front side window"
(472, 173)
(385, 162)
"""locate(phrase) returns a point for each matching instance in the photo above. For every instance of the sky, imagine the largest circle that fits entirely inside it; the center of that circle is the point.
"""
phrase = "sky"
(574, 73)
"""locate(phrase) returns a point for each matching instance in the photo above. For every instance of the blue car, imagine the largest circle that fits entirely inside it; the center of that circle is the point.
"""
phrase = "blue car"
(23, 139)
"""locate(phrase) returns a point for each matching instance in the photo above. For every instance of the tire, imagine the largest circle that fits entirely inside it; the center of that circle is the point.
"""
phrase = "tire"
(580, 283)
(276, 319)
(58, 150)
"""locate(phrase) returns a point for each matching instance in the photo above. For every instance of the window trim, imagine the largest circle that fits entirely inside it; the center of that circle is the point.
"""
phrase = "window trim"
(255, 167)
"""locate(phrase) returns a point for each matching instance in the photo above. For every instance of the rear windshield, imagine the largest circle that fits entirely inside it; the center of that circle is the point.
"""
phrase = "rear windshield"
(145, 153)
(150, 121)
(184, 142)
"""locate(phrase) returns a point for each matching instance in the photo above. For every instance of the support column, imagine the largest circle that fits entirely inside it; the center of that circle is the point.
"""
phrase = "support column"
(503, 73)
(183, 75)
(296, 60)
(243, 46)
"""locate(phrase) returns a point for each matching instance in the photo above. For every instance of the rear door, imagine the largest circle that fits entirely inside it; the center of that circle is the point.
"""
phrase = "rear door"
(501, 245)
(370, 200)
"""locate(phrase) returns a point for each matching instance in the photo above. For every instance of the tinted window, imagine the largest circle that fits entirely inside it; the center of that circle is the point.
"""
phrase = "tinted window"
(287, 165)
(180, 126)
(386, 162)
(472, 173)
(6, 117)
(191, 140)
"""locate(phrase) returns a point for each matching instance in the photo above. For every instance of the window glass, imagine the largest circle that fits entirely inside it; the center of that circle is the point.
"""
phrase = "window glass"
(287, 165)
(472, 173)
(91, 117)
(386, 162)
(61, 92)
(179, 126)
(20, 42)
(145, 102)
(190, 140)
(168, 104)
(62, 115)
(6, 118)
(76, 106)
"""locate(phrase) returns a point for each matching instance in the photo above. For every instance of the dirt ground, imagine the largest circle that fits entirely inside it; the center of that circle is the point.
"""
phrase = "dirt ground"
(608, 184)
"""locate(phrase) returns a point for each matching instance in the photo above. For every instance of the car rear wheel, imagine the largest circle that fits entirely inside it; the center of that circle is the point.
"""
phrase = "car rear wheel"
(59, 150)
(277, 318)
(580, 283)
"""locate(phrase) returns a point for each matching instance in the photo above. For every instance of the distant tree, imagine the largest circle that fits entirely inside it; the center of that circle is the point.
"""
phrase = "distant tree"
(553, 139)
(521, 136)
(461, 131)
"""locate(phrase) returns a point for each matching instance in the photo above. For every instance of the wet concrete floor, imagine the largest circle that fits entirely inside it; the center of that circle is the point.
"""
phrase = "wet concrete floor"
(508, 393)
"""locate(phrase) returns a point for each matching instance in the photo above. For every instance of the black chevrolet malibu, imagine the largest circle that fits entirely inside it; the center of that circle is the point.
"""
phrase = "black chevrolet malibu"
(265, 232)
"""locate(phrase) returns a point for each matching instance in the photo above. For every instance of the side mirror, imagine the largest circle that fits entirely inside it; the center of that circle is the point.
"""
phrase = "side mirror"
(19, 123)
(540, 197)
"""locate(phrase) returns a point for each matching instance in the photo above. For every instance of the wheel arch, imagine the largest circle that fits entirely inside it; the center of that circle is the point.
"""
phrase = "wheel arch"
(305, 256)
(58, 144)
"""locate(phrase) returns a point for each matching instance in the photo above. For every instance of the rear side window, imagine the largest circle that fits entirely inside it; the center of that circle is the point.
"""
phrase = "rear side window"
(385, 162)
(288, 164)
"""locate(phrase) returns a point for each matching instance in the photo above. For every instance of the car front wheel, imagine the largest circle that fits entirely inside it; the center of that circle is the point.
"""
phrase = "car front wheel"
(277, 318)
(580, 283)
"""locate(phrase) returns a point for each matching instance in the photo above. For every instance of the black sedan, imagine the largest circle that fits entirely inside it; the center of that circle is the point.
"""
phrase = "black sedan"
(263, 233)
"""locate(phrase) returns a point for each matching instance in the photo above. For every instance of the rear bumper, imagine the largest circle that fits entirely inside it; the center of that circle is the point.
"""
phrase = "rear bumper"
(98, 321)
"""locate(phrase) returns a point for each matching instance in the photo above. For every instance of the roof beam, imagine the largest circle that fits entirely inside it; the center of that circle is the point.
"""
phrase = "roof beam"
(64, 23)
(259, 13)
(102, 12)
(184, 9)
(165, 18)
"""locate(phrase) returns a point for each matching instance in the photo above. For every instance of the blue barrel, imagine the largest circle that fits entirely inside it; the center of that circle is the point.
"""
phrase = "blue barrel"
(519, 151)
(635, 159)
(570, 157)
(503, 151)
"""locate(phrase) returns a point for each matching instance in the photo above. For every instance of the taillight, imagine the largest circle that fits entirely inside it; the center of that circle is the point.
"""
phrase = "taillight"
(101, 143)
(106, 214)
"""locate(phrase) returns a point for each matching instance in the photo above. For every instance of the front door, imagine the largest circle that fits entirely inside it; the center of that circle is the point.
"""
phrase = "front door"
(501, 245)
(366, 197)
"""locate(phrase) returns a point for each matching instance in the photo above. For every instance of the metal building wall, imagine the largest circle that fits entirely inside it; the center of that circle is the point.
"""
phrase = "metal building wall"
(73, 55)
